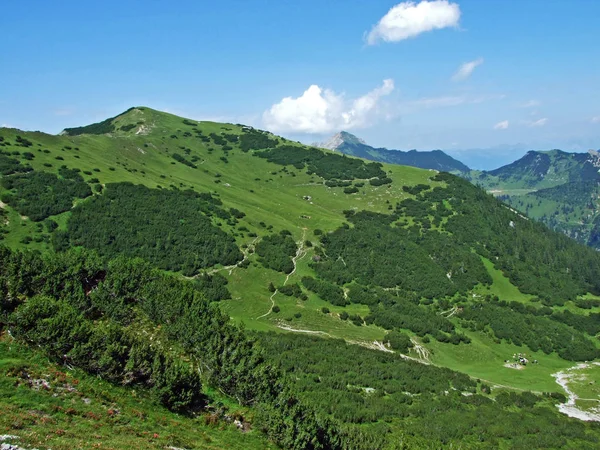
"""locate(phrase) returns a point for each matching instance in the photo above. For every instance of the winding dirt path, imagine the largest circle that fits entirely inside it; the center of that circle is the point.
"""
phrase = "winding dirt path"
(272, 298)
(245, 252)
(300, 253)
(299, 330)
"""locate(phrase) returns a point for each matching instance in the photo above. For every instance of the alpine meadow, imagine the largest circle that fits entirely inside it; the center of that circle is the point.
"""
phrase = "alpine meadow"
(373, 305)
(198, 252)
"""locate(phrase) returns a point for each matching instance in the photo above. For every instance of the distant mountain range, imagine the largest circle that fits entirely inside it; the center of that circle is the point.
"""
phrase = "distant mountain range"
(349, 144)
(558, 188)
(539, 170)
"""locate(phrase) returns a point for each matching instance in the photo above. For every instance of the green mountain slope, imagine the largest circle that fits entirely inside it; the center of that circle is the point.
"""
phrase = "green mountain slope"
(408, 266)
(560, 189)
(349, 144)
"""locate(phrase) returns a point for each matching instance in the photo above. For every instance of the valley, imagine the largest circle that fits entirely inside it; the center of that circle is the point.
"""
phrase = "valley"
(369, 293)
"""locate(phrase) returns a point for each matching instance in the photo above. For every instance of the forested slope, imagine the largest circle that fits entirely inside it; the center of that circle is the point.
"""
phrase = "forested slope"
(292, 239)
(557, 188)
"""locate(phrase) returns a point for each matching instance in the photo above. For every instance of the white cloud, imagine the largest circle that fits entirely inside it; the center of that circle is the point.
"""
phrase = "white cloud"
(450, 100)
(465, 70)
(539, 122)
(501, 125)
(596, 119)
(530, 104)
(321, 111)
(439, 102)
(408, 19)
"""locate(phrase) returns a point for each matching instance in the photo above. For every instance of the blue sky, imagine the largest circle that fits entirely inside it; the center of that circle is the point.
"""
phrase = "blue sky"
(530, 78)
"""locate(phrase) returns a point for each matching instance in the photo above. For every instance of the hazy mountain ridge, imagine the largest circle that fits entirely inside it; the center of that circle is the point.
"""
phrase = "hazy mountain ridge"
(349, 144)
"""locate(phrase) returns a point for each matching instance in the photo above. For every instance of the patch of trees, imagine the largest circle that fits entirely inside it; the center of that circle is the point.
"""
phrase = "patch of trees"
(22, 142)
(338, 183)
(587, 303)
(325, 290)
(537, 260)
(594, 238)
(103, 348)
(375, 253)
(106, 126)
(39, 195)
(416, 189)
(70, 174)
(380, 181)
(538, 333)
(170, 228)
(399, 310)
(292, 290)
(214, 287)
(363, 295)
(398, 341)
(326, 165)
(131, 324)
(588, 323)
(217, 139)
(372, 393)
(338, 371)
(276, 252)
(231, 138)
(3, 220)
(253, 139)
(9, 166)
(177, 157)
(128, 127)
(574, 193)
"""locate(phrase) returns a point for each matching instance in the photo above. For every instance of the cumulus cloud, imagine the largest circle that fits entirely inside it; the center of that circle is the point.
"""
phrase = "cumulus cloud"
(539, 122)
(465, 70)
(320, 111)
(408, 19)
(501, 125)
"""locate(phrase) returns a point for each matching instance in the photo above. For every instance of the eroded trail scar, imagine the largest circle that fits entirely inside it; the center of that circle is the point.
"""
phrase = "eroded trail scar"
(570, 407)
(421, 351)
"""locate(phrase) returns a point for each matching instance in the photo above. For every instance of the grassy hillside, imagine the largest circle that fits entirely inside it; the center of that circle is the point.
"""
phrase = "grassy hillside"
(297, 241)
(46, 405)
